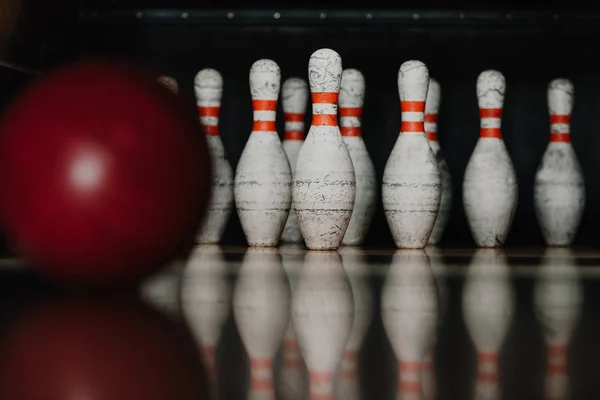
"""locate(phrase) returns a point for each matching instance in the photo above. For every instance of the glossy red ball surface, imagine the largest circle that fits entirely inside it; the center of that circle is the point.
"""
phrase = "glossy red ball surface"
(104, 173)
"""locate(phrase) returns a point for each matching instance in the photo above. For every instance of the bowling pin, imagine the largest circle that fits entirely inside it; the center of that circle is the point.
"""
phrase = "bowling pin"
(432, 105)
(324, 186)
(488, 303)
(208, 87)
(293, 379)
(412, 184)
(322, 314)
(206, 305)
(559, 190)
(352, 93)
(170, 83)
(409, 310)
(261, 304)
(558, 298)
(262, 185)
(348, 385)
(490, 184)
(294, 97)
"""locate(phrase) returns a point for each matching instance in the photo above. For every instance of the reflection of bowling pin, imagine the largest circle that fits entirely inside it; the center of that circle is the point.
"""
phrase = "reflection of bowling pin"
(490, 183)
(170, 83)
(352, 93)
(558, 296)
(208, 86)
(348, 384)
(322, 314)
(261, 303)
(324, 183)
(162, 289)
(409, 312)
(411, 189)
(432, 106)
(294, 96)
(206, 304)
(559, 190)
(292, 380)
(488, 302)
(262, 186)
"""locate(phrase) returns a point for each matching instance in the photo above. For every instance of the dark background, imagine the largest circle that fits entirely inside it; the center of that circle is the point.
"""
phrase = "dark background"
(530, 44)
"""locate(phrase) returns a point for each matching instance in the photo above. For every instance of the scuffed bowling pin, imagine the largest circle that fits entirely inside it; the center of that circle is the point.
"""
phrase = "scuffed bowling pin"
(206, 305)
(432, 106)
(409, 309)
(352, 93)
(294, 98)
(170, 83)
(322, 314)
(559, 190)
(348, 385)
(324, 187)
(208, 87)
(412, 184)
(262, 186)
(558, 298)
(490, 184)
(488, 306)
(261, 305)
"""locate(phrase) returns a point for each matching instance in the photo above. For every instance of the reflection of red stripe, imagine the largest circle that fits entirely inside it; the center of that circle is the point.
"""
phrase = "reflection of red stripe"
(412, 126)
(484, 357)
(321, 377)
(325, 98)
(410, 366)
(350, 131)
(324, 120)
(349, 374)
(432, 136)
(556, 369)
(560, 137)
(490, 133)
(409, 387)
(560, 119)
(261, 384)
(264, 126)
(293, 117)
(208, 111)
(490, 113)
(294, 135)
(557, 350)
(264, 105)
(431, 118)
(350, 111)
(487, 377)
(412, 106)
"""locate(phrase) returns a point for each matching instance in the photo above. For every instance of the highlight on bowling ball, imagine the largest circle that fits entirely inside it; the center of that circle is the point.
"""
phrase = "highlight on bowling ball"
(99, 348)
(104, 174)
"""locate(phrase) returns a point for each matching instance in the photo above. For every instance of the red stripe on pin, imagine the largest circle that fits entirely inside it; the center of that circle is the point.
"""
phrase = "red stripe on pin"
(412, 106)
(432, 136)
(431, 118)
(350, 111)
(210, 130)
(294, 135)
(490, 133)
(264, 105)
(264, 126)
(412, 126)
(324, 120)
(208, 111)
(350, 131)
(490, 113)
(560, 137)
(293, 117)
(560, 119)
(325, 98)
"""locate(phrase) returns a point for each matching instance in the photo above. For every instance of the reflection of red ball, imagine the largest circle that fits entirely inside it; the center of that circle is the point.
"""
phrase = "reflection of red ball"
(98, 350)
(104, 174)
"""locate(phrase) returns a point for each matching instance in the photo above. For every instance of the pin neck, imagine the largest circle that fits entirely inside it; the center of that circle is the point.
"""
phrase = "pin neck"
(431, 127)
(261, 374)
(412, 116)
(264, 115)
(209, 119)
(557, 359)
(321, 386)
(560, 128)
(409, 379)
(294, 126)
(350, 121)
(487, 367)
(324, 108)
(491, 122)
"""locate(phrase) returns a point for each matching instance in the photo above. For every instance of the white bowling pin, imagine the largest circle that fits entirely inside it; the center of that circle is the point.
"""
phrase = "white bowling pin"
(162, 289)
(261, 304)
(558, 298)
(412, 184)
(490, 184)
(322, 314)
(208, 87)
(293, 379)
(170, 83)
(263, 178)
(324, 186)
(206, 304)
(294, 97)
(432, 106)
(348, 385)
(559, 190)
(488, 302)
(409, 310)
(352, 93)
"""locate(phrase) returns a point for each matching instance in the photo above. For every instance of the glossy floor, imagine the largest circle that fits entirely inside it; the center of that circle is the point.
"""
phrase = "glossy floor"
(355, 324)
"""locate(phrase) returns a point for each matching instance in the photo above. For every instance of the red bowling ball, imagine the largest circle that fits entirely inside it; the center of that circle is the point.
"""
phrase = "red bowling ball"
(104, 174)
